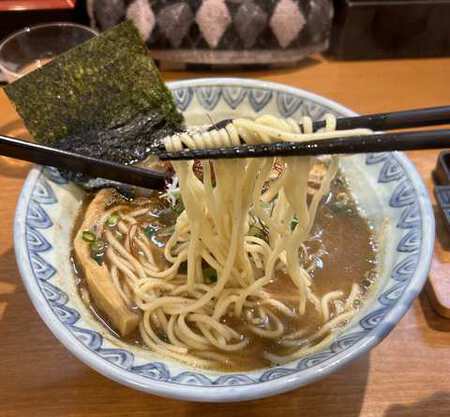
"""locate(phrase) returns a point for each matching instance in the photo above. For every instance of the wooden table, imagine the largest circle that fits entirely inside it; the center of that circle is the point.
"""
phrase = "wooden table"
(407, 375)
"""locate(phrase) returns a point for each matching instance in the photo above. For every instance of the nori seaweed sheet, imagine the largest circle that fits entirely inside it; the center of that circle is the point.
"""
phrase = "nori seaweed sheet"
(126, 144)
(104, 98)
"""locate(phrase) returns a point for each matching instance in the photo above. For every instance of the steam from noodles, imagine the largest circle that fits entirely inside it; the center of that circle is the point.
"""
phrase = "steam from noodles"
(182, 313)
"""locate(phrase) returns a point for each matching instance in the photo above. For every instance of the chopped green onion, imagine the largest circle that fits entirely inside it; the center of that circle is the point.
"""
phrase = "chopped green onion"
(150, 231)
(210, 275)
(97, 257)
(112, 220)
(88, 236)
(97, 246)
(294, 223)
(97, 250)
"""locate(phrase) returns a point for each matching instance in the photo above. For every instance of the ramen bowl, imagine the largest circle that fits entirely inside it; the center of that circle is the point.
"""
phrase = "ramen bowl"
(386, 186)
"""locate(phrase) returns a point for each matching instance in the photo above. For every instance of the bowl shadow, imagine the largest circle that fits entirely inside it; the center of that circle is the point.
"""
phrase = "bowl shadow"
(436, 405)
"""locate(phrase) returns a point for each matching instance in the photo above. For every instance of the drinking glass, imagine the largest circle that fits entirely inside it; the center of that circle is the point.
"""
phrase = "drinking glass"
(34, 46)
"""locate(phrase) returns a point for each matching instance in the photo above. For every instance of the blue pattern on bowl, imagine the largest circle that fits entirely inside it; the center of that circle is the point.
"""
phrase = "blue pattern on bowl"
(391, 170)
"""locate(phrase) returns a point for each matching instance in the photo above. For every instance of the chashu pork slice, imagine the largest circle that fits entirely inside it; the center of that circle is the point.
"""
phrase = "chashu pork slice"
(106, 297)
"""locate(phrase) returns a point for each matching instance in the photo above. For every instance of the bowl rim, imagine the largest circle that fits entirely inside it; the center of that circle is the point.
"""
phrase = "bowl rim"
(252, 391)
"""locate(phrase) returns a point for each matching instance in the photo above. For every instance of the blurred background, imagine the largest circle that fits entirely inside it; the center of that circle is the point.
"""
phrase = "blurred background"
(255, 33)
(352, 51)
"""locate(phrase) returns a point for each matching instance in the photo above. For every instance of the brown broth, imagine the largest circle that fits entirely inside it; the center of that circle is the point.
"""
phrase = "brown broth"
(349, 255)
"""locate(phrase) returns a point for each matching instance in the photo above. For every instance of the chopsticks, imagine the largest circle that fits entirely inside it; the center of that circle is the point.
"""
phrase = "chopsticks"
(429, 116)
(45, 155)
(146, 178)
(376, 142)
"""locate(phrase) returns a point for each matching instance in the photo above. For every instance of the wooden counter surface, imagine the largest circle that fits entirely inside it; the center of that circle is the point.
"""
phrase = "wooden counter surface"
(408, 374)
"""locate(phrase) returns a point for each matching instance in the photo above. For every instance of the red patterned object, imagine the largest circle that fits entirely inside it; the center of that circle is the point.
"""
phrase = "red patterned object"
(16, 14)
(23, 5)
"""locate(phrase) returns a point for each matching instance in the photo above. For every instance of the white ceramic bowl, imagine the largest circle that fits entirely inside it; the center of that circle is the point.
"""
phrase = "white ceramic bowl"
(386, 185)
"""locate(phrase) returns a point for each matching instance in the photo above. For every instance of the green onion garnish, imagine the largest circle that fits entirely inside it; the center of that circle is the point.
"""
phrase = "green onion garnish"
(97, 246)
(149, 231)
(88, 236)
(294, 223)
(97, 257)
(112, 220)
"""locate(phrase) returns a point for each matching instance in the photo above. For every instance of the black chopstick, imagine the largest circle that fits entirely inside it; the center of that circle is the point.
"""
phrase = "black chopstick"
(405, 119)
(376, 142)
(430, 116)
(45, 155)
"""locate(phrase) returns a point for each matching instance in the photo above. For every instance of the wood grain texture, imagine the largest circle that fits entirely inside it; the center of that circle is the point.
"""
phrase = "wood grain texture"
(408, 374)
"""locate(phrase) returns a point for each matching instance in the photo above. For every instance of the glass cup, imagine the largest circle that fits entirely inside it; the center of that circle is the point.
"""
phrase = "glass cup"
(34, 46)
(24, 51)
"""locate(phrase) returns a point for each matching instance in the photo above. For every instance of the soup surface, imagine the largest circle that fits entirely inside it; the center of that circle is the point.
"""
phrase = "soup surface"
(342, 248)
